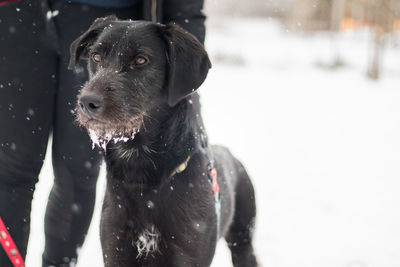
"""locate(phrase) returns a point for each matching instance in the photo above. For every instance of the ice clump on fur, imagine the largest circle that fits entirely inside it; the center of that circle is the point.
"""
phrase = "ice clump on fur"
(103, 141)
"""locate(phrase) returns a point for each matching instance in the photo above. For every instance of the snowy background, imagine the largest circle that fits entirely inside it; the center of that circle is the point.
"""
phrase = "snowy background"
(322, 146)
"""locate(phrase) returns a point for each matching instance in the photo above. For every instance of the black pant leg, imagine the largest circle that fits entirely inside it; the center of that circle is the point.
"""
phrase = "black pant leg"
(76, 165)
(27, 71)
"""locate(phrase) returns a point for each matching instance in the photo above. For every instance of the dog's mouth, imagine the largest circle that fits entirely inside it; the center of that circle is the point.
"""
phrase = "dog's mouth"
(103, 132)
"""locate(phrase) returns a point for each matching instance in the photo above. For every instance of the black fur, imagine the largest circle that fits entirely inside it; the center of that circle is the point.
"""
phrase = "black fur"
(156, 100)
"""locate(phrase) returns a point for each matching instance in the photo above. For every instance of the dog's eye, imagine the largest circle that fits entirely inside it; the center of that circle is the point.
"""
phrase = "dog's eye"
(140, 60)
(96, 57)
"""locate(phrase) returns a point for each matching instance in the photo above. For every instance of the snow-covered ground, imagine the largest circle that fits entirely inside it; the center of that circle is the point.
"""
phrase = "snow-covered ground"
(322, 147)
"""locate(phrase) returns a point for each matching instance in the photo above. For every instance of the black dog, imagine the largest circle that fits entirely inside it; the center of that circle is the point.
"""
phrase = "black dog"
(163, 205)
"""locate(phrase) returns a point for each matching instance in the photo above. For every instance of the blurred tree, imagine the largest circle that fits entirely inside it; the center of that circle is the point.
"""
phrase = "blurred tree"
(253, 8)
(381, 16)
(337, 15)
(312, 15)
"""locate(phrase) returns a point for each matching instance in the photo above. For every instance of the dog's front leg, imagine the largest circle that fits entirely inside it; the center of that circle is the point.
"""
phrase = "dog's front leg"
(114, 235)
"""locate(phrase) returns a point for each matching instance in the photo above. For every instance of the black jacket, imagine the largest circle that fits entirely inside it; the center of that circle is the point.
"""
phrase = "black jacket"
(186, 13)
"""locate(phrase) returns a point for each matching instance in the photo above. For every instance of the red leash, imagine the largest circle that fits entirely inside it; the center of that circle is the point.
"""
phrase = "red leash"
(8, 1)
(9, 246)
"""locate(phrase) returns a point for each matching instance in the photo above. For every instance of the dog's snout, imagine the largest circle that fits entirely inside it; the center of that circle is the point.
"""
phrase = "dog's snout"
(91, 103)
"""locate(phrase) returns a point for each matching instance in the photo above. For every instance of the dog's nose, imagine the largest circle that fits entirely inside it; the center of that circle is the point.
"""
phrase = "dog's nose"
(90, 103)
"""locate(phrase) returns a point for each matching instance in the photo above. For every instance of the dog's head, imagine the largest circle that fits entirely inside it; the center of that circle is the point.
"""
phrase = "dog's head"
(134, 67)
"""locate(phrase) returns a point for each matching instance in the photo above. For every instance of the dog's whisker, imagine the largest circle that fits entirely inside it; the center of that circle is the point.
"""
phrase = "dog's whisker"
(145, 115)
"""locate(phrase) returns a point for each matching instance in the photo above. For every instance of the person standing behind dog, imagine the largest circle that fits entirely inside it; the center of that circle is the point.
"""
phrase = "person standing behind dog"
(37, 96)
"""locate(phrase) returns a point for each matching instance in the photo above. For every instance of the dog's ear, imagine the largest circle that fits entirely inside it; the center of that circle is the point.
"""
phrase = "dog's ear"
(78, 49)
(188, 63)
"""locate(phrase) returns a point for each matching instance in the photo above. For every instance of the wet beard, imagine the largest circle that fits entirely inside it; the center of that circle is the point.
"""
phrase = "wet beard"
(101, 139)
(101, 132)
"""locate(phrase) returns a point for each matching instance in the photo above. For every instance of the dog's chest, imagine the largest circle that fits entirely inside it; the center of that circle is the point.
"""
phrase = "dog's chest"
(158, 222)
(170, 215)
